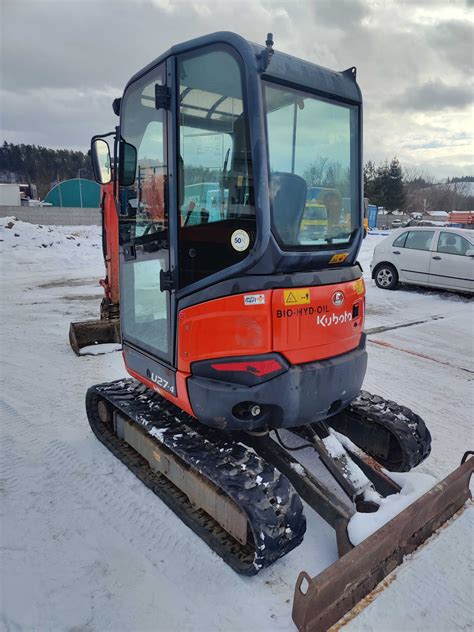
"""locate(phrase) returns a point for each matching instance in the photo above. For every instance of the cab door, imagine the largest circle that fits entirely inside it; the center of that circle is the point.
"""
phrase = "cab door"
(147, 306)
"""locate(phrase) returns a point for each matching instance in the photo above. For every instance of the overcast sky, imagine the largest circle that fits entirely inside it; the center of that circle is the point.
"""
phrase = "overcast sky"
(63, 62)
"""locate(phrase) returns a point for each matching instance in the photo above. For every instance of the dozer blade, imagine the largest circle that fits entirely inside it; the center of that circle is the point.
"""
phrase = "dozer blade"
(322, 601)
(93, 332)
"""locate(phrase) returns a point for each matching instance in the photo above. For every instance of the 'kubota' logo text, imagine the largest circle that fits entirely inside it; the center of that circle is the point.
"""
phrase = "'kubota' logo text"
(333, 319)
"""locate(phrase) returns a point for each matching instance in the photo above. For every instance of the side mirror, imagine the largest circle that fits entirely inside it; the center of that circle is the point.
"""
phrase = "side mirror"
(469, 253)
(101, 162)
(127, 164)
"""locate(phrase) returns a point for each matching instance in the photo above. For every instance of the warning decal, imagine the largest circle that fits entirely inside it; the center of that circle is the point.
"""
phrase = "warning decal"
(359, 286)
(297, 296)
(339, 258)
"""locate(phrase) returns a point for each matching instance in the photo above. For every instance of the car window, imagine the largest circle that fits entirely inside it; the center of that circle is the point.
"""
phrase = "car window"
(452, 244)
(419, 239)
(400, 240)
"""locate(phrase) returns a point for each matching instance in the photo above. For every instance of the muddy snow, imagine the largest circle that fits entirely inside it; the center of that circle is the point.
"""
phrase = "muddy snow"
(85, 546)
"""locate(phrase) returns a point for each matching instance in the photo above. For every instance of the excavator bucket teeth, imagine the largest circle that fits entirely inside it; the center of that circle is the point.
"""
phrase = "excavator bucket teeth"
(321, 601)
(93, 332)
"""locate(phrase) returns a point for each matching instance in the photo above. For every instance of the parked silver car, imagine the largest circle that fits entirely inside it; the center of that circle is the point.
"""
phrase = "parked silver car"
(432, 256)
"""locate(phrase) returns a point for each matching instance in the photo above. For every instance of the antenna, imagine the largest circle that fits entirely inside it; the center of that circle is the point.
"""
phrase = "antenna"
(268, 52)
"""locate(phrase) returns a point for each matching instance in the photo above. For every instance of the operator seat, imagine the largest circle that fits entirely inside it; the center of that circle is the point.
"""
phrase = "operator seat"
(288, 197)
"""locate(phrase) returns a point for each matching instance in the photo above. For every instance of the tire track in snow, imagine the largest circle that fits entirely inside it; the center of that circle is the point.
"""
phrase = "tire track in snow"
(14, 426)
(137, 519)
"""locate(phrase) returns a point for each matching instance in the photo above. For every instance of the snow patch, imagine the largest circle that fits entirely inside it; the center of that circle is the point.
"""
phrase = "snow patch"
(157, 432)
(100, 349)
(430, 592)
(299, 469)
(351, 470)
(334, 447)
(413, 485)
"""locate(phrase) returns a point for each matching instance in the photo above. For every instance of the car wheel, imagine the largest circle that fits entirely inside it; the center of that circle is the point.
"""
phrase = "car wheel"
(386, 277)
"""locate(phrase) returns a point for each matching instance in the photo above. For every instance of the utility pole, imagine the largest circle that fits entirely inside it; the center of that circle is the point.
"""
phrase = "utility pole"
(59, 189)
(80, 188)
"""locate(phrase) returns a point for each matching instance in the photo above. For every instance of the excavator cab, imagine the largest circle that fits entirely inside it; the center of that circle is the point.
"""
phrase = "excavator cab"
(222, 146)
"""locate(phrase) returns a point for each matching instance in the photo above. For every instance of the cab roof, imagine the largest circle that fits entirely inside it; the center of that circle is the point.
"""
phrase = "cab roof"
(287, 69)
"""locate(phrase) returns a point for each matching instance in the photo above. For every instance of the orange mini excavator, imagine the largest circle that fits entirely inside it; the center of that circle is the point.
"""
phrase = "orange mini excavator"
(240, 218)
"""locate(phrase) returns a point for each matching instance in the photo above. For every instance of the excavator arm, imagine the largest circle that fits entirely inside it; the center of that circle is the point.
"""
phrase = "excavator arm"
(106, 329)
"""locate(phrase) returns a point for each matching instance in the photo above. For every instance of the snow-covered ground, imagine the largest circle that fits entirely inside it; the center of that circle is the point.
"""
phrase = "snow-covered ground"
(85, 546)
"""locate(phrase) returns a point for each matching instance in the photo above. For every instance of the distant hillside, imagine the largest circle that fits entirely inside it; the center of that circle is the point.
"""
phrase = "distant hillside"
(463, 187)
(41, 166)
(445, 196)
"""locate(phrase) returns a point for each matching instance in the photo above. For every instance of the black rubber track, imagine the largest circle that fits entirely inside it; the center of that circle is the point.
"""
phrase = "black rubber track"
(410, 439)
(273, 508)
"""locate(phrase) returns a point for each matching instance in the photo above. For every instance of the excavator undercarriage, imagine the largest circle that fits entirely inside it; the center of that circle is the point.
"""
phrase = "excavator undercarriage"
(242, 493)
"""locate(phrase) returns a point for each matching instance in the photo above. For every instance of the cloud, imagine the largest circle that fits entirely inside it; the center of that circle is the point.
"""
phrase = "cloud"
(433, 95)
(59, 77)
(340, 14)
(454, 40)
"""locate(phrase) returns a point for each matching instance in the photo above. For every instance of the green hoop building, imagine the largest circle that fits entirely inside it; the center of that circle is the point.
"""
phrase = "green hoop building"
(76, 192)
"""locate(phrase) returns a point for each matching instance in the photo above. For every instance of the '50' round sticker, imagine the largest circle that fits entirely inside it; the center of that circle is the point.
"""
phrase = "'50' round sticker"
(240, 240)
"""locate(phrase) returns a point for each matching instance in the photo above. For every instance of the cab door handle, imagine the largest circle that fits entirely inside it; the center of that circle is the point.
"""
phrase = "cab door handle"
(396, 252)
(437, 258)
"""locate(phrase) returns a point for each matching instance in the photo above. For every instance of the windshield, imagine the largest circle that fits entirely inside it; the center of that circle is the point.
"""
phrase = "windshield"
(314, 168)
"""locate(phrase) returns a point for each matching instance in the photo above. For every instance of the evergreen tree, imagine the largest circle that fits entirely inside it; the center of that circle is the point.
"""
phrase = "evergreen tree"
(383, 184)
(370, 175)
(40, 165)
(394, 190)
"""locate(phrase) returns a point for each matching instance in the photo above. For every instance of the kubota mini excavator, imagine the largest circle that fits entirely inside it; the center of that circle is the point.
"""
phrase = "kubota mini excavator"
(107, 328)
(239, 196)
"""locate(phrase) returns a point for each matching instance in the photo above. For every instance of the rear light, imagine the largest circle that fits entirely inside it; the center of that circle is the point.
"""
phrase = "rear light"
(245, 370)
(258, 368)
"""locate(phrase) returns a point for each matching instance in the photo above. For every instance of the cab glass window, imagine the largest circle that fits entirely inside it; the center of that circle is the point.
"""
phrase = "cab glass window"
(452, 244)
(216, 209)
(400, 241)
(143, 208)
(314, 168)
(419, 239)
(143, 219)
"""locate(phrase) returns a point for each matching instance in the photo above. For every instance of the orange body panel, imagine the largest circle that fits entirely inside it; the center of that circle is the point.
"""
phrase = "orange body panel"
(303, 324)
(317, 329)
(225, 327)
